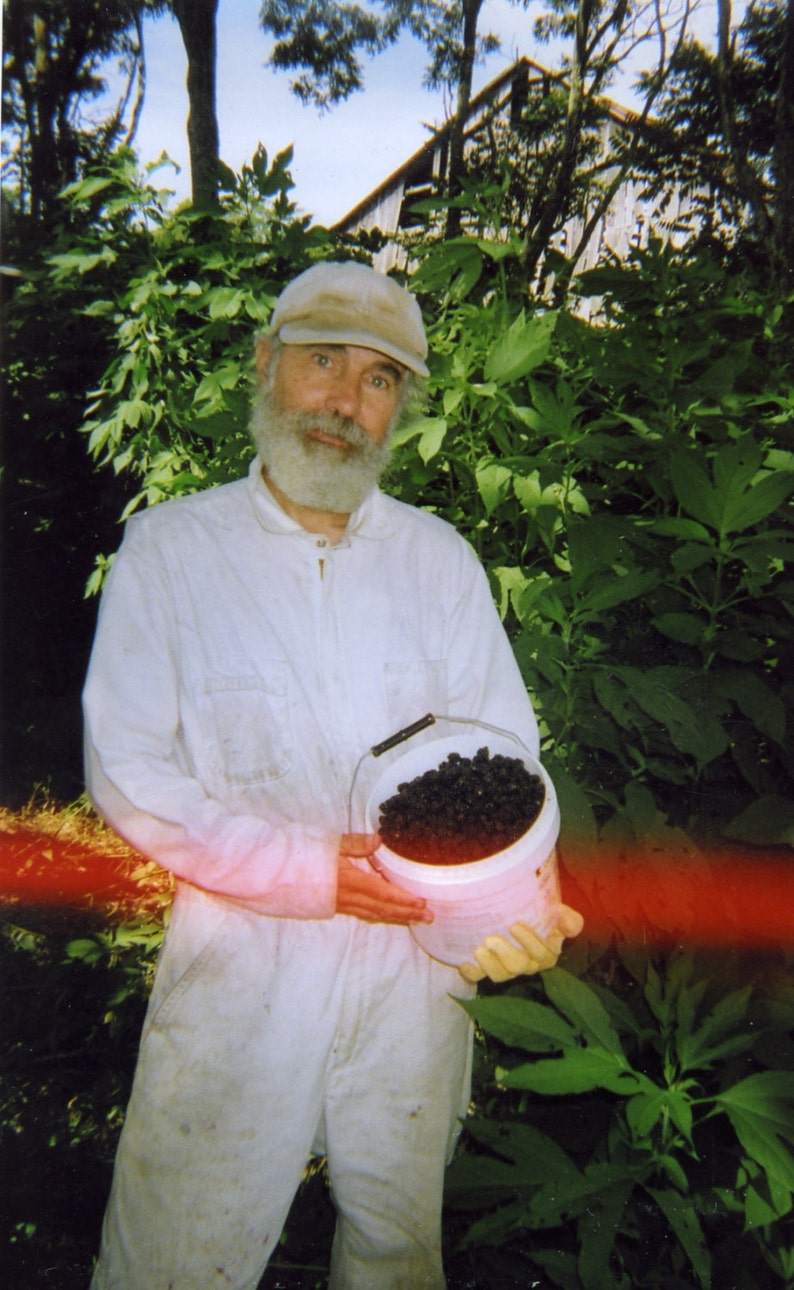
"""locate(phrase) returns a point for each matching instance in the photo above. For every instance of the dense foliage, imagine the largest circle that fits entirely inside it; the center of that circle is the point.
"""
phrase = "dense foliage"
(656, 1150)
(56, 58)
(627, 484)
(632, 1115)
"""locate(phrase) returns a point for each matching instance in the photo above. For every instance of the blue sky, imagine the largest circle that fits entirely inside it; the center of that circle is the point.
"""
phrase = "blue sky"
(342, 154)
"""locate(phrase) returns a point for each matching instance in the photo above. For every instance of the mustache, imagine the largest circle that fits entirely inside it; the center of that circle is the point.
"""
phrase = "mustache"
(330, 423)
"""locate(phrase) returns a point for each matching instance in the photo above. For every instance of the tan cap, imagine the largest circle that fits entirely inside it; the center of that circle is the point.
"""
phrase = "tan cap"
(351, 304)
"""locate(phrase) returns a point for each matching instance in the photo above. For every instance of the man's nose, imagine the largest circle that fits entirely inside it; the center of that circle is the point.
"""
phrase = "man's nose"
(344, 396)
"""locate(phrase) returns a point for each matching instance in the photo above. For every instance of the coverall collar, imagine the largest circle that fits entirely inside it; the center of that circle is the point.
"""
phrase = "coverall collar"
(370, 520)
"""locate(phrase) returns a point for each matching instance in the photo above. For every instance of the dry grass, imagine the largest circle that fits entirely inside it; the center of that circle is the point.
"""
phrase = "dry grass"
(65, 855)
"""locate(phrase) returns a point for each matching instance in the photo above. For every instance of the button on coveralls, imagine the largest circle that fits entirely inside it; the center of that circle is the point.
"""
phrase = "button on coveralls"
(241, 669)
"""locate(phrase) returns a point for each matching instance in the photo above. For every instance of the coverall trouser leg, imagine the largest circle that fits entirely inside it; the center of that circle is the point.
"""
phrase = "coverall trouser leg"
(266, 1039)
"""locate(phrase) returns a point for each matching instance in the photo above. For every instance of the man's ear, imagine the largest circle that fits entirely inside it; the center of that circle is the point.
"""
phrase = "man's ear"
(263, 357)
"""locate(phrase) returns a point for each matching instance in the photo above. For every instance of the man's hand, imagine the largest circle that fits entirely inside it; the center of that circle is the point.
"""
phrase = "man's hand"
(501, 960)
(366, 894)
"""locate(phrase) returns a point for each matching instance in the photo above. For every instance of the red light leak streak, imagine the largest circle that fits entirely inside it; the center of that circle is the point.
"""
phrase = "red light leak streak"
(41, 869)
(735, 900)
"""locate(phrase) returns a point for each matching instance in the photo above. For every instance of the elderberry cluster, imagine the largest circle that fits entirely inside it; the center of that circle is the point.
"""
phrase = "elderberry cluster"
(471, 807)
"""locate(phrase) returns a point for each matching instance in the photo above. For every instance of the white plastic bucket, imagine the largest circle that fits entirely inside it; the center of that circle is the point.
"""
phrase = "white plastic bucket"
(483, 897)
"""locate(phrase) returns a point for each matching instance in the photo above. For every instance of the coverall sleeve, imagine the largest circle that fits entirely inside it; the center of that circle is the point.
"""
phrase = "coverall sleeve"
(138, 779)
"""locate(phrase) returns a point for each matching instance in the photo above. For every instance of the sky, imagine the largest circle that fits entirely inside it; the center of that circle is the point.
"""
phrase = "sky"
(341, 155)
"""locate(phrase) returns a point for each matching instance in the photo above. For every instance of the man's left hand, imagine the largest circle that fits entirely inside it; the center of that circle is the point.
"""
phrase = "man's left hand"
(367, 895)
(501, 960)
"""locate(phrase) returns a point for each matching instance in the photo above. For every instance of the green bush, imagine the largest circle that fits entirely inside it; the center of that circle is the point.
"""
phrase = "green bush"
(81, 922)
(657, 1148)
(183, 294)
(627, 483)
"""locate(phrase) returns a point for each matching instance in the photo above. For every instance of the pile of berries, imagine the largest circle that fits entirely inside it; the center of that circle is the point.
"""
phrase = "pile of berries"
(471, 807)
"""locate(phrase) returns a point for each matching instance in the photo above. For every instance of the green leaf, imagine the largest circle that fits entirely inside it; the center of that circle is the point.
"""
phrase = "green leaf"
(99, 309)
(713, 1040)
(493, 482)
(606, 593)
(579, 826)
(685, 559)
(527, 489)
(681, 528)
(738, 499)
(226, 302)
(557, 410)
(581, 1005)
(80, 261)
(695, 732)
(679, 1108)
(522, 348)
(431, 439)
(757, 701)
(511, 581)
(579, 1070)
(477, 1182)
(429, 430)
(522, 1023)
(614, 699)
(452, 267)
(563, 1199)
(597, 1229)
(529, 1159)
(686, 628)
(758, 502)
(682, 1217)
(87, 951)
(644, 1111)
(675, 1172)
(693, 489)
(761, 1110)
(82, 189)
(767, 822)
(761, 1210)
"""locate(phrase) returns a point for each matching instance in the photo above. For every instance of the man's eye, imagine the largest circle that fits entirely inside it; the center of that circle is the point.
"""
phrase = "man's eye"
(322, 360)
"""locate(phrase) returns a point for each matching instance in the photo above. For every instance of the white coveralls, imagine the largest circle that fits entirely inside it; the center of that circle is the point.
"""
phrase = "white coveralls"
(241, 668)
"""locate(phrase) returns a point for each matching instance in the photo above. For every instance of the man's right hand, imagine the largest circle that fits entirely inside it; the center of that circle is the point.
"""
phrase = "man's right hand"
(367, 895)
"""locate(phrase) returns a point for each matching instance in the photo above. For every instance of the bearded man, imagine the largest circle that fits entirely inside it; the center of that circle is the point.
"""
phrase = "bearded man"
(254, 641)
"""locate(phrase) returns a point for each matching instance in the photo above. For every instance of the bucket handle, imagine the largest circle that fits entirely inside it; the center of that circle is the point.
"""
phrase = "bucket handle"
(429, 719)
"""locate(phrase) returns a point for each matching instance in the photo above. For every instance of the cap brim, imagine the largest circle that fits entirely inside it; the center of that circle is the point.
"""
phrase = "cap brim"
(297, 334)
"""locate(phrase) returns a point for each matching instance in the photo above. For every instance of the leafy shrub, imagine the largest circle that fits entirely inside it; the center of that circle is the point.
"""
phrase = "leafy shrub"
(657, 1148)
(81, 922)
(627, 484)
(182, 295)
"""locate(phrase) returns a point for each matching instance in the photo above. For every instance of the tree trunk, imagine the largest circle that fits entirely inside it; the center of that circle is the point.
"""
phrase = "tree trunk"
(455, 171)
(748, 185)
(558, 195)
(783, 164)
(197, 23)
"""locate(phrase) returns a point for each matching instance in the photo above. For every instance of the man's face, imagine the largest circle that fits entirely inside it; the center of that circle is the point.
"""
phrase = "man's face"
(322, 421)
(357, 384)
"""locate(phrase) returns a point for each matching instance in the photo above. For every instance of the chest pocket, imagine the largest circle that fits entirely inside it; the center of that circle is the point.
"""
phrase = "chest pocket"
(414, 687)
(251, 726)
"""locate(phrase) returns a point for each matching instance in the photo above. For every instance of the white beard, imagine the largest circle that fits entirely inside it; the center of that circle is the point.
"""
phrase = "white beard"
(313, 474)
